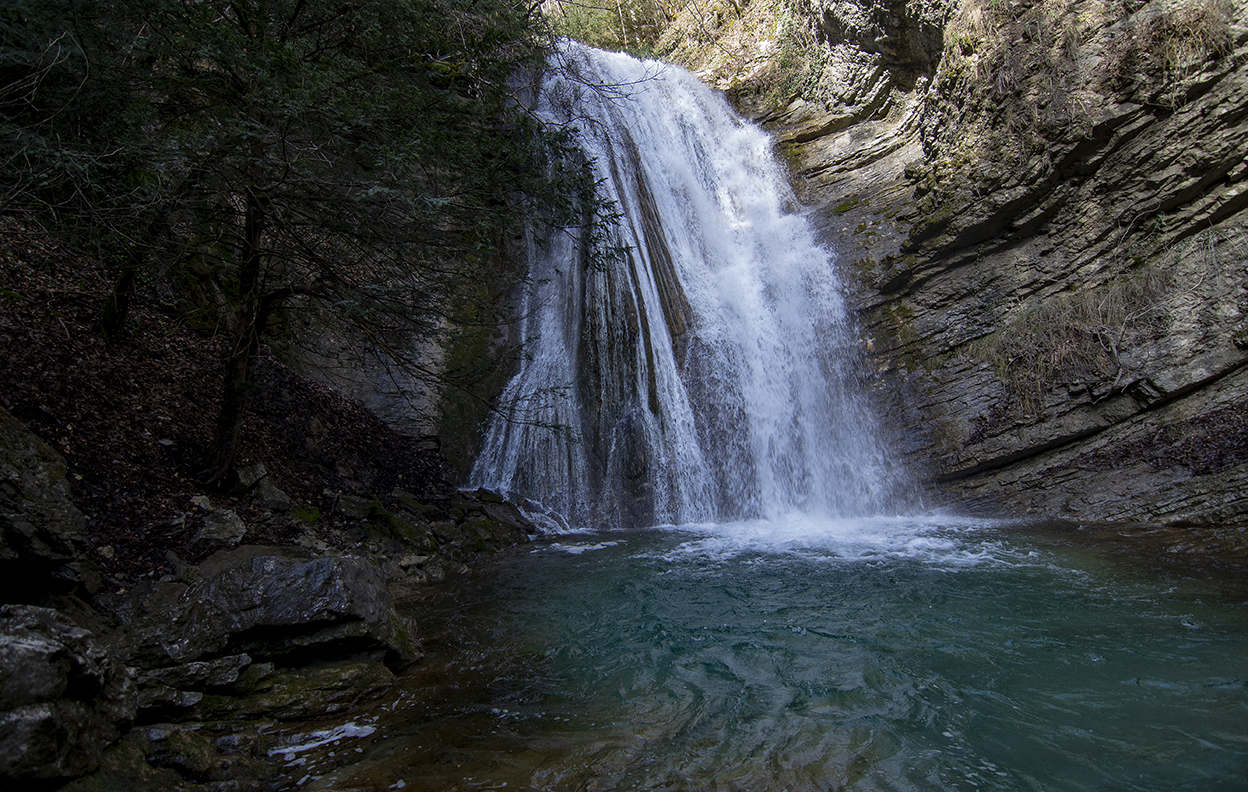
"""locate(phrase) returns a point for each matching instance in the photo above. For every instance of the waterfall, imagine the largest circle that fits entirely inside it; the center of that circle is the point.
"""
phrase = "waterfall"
(708, 374)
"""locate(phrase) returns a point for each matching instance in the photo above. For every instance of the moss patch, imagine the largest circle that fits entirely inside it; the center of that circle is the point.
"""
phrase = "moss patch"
(308, 692)
(306, 514)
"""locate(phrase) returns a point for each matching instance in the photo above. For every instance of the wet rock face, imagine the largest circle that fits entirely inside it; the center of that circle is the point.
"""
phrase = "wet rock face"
(629, 451)
(264, 603)
(63, 698)
(1047, 223)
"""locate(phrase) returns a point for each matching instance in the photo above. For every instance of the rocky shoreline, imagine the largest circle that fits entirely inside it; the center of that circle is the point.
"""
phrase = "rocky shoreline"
(185, 681)
(159, 634)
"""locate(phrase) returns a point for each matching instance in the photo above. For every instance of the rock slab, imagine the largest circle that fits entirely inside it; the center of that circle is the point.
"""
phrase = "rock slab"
(270, 604)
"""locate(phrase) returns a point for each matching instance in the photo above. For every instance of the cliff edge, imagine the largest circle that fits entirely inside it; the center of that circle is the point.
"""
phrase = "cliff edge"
(1042, 208)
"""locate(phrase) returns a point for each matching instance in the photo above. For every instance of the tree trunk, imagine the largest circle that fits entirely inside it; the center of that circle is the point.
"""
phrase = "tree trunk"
(619, 7)
(251, 319)
(117, 304)
(116, 307)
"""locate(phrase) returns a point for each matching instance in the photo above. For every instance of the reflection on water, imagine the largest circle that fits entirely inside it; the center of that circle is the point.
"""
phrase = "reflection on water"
(808, 655)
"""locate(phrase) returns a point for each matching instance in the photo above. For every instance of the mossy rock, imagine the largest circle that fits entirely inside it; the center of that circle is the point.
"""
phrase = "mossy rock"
(405, 637)
(488, 496)
(309, 515)
(188, 754)
(482, 534)
(166, 758)
(124, 768)
(417, 537)
(311, 691)
(43, 537)
(354, 507)
(418, 508)
(447, 531)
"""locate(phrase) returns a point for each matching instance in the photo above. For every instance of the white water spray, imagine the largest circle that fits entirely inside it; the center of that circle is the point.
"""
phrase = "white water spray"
(709, 374)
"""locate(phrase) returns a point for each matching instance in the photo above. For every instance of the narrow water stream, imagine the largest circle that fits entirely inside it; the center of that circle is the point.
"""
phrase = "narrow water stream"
(804, 655)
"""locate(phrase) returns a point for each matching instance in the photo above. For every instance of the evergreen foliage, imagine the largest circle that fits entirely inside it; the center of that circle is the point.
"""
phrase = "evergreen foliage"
(362, 159)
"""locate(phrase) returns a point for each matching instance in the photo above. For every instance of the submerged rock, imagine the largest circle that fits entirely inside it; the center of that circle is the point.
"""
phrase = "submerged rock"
(312, 691)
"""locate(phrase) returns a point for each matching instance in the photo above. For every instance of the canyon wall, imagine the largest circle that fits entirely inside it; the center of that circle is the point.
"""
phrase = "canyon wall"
(1042, 206)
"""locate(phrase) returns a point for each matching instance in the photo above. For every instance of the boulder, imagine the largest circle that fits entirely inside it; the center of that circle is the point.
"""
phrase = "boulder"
(218, 672)
(267, 603)
(221, 528)
(63, 698)
(247, 477)
(42, 534)
(255, 479)
(274, 606)
(267, 496)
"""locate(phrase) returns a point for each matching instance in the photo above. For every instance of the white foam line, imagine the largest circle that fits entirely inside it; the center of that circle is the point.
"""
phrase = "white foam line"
(578, 549)
(318, 738)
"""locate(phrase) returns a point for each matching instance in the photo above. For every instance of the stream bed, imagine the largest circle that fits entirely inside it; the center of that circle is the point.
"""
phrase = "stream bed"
(808, 654)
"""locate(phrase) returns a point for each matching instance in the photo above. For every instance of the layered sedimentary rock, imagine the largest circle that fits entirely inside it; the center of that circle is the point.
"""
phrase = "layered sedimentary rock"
(1044, 207)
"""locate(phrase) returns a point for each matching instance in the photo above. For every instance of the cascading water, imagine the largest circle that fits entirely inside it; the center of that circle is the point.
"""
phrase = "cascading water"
(795, 638)
(704, 375)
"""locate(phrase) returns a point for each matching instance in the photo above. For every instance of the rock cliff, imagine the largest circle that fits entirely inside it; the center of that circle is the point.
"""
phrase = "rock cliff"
(1043, 208)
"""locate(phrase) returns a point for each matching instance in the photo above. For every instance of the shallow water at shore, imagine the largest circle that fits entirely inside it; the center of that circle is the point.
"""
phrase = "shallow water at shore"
(814, 654)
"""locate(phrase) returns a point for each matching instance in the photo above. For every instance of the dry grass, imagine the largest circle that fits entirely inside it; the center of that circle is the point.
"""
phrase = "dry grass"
(1080, 338)
(1168, 43)
(1073, 338)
